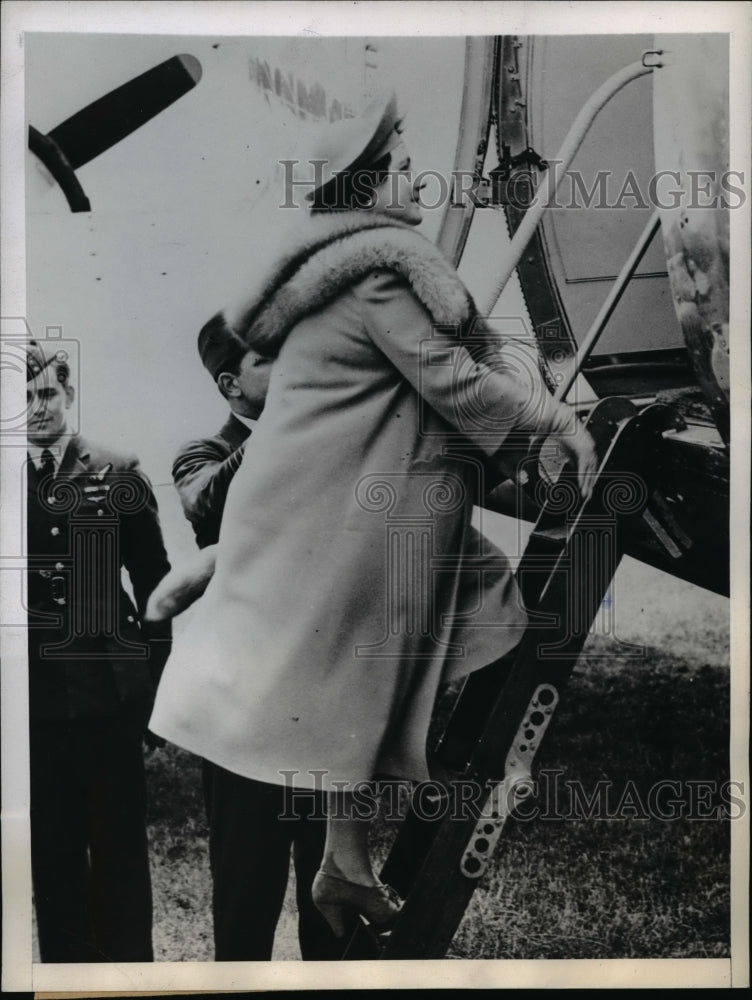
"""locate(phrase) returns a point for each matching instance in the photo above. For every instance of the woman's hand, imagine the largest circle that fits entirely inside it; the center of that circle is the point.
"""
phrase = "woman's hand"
(576, 443)
(574, 440)
(579, 447)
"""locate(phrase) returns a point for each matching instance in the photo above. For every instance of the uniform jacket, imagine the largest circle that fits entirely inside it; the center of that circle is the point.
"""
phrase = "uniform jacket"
(89, 654)
(203, 471)
(349, 581)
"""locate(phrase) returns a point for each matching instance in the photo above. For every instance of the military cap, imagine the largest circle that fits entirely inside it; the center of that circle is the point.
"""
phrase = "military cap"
(39, 356)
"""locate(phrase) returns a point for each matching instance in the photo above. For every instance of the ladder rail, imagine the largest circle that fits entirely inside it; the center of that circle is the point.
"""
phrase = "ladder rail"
(425, 863)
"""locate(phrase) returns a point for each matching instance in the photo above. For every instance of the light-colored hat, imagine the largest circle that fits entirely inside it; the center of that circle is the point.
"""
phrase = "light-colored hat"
(357, 143)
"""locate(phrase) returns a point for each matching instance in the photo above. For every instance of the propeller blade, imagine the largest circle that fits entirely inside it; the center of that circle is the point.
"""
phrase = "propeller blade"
(106, 121)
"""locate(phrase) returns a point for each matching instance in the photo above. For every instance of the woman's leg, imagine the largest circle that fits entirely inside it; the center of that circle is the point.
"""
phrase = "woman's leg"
(346, 883)
(346, 847)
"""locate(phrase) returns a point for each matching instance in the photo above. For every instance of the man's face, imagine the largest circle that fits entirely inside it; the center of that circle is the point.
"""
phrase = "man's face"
(46, 400)
(253, 380)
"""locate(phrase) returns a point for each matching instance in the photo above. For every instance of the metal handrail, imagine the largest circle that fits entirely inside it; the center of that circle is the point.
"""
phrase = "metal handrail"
(558, 168)
(612, 299)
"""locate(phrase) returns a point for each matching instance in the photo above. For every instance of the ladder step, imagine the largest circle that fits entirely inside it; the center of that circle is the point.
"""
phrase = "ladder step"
(555, 533)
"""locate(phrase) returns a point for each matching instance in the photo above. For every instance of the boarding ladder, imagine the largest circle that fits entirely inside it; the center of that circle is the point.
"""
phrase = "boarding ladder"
(502, 712)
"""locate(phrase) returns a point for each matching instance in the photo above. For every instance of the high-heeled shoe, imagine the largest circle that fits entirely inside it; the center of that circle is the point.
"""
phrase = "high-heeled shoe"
(335, 897)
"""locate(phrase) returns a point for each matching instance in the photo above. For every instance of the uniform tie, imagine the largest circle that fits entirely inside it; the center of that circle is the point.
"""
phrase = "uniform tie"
(47, 467)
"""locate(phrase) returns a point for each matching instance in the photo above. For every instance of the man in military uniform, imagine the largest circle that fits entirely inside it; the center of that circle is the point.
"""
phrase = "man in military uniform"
(249, 843)
(93, 669)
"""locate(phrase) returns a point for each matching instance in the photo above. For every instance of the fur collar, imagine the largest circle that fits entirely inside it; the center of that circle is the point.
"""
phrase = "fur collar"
(314, 264)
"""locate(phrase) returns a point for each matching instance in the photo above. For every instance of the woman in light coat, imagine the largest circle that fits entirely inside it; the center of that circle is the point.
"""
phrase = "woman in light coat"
(349, 583)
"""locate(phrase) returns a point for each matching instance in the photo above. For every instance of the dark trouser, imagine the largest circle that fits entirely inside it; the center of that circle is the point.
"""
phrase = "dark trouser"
(249, 850)
(89, 852)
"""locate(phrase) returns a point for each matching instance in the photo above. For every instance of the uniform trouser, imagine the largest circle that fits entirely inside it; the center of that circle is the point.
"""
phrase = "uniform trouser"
(249, 849)
(89, 852)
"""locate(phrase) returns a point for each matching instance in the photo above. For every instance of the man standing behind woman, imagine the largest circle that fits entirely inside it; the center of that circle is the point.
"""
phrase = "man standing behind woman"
(249, 844)
(343, 593)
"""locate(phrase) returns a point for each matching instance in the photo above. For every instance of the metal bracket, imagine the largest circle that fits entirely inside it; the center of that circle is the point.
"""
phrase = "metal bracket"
(528, 158)
(491, 191)
(651, 59)
(517, 783)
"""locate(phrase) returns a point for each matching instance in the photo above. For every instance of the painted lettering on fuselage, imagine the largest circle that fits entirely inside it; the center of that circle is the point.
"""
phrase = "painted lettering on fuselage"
(306, 101)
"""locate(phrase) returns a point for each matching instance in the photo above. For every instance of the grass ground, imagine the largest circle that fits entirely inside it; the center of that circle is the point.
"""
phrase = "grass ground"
(634, 885)
(626, 885)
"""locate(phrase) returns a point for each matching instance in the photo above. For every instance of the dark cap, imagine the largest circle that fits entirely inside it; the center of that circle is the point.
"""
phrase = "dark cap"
(39, 356)
(220, 349)
(353, 144)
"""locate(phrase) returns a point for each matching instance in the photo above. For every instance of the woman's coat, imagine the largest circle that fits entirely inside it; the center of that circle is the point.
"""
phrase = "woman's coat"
(349, 583)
